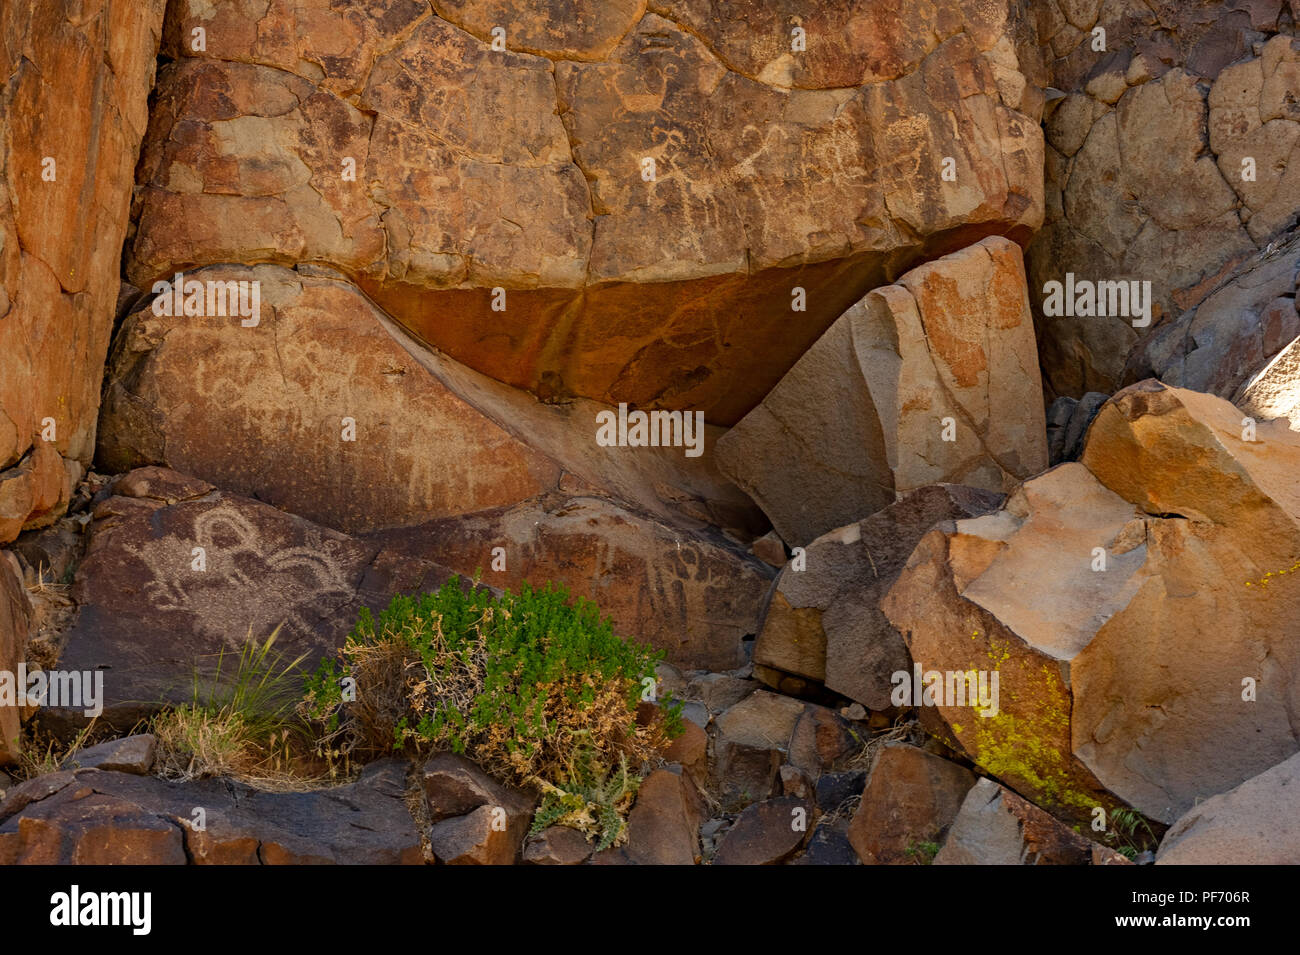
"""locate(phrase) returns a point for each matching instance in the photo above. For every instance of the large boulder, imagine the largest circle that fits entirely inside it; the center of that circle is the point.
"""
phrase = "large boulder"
(930, 381)
(1124, 604)
(73, 110)
(824, 620)
(401, 148)
(1156, 107)
(1257, 823)
(177, 573)
(263, 410)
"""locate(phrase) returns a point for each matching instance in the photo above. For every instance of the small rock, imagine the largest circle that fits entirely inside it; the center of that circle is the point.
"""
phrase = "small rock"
(770, 549)
(909, 799)
(557, 845)
(455, 786)
(820, 738)
(835, 789)
(483, 837)
(131, 754)
(767, 833)
(829, 845)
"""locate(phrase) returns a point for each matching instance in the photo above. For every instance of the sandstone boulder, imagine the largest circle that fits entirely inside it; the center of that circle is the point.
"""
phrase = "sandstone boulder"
(1257, 823)
(73, 110)
(524, 169)
(1123, 604)
(824, 620)
(930, 381)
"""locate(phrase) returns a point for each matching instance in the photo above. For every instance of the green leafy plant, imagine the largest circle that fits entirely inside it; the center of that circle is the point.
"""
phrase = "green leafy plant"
(1130, 833)
(533, 686)
(922, 853)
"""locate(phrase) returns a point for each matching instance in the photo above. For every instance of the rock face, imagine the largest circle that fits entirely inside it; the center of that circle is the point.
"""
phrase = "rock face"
(397, 146)
(1257, 823)
(693, 596)
(1124, 603)
(177, 572)
(15, 625)
(997, 827)
(910, 799)
(1219, 345)
(1275, 391)
(93, 817)
(73, 110)
(1145, 175)
(264, 411)
(824, 621)
(930, 381)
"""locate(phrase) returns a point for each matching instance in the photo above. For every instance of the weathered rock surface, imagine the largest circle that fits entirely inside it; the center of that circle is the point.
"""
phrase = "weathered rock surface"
(456, 786)
(767, 833)
(1144, 163)
(693, 595)
(93, 817)
(15, 625)
(1108, 677)
(72, 115)
(263, 411)
(477, 169)
(1275, 391)
(930, 381)
(824, 621)
(997, 827)
(1068, 420)
(557, 845)
(1257, 823)
(1219, 345)
(910, 798)
(177, 572)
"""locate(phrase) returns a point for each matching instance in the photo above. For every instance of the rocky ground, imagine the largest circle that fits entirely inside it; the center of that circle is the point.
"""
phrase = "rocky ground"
(464, 230)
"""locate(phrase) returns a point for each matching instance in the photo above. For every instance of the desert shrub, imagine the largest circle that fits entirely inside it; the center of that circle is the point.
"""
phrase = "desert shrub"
(534, 687)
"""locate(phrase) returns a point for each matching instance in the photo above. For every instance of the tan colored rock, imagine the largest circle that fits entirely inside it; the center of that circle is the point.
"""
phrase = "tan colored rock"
(1257, 823)
(77, 84)
(261, 411)
(479, 168)
(1275, 391)
(997, 827)
(15, 625)
(688, 594)
(824, 621)
(477, 838)
(911, 797)
(1200, 536)
(867, 413)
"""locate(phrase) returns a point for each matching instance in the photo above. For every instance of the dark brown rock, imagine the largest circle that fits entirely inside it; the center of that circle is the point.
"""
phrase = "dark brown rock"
(767, 833)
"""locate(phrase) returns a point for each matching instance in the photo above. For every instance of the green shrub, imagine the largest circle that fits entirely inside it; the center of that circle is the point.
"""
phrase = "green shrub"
(534, 687)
